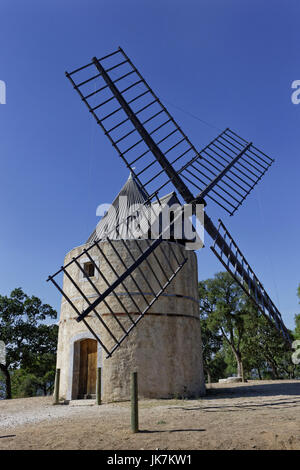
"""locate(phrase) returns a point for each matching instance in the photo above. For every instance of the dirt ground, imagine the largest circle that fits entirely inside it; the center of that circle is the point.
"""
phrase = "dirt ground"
(255, 415)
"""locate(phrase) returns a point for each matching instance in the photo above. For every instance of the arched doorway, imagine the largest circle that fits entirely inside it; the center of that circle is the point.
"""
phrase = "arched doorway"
(87, 368)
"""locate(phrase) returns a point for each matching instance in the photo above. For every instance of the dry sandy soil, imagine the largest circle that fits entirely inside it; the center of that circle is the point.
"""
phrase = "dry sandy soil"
(255, 415)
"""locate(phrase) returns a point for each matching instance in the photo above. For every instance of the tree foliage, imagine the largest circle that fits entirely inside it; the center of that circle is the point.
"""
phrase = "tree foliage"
(213, 357)
(30, 343)
(233, 329)
(222, 304)
(297, 318)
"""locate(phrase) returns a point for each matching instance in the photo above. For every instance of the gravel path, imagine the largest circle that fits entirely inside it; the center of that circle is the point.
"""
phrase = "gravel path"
(23, 411)
(256, 415)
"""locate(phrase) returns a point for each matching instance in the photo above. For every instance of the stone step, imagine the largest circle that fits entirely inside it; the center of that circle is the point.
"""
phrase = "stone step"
(86, 402)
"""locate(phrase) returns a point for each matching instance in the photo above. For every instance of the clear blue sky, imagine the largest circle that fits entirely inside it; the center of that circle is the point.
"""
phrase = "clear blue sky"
(230, 63)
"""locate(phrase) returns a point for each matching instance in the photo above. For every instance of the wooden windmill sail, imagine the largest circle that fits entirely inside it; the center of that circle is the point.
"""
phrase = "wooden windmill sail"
(160, 156)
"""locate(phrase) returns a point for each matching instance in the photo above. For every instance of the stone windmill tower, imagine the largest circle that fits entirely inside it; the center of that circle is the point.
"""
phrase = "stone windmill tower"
(121, 277)
(171, 325)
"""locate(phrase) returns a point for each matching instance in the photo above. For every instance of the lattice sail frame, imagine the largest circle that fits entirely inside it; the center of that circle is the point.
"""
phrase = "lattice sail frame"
(152, 144)
(236, 264)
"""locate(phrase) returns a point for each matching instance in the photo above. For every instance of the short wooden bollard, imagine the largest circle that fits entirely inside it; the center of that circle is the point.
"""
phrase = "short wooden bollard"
(56, 387)
(98, 388)
(134, 403)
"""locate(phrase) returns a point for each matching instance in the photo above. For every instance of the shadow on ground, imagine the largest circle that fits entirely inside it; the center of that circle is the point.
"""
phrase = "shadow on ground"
(246, 407)
(152, 431)
(263, 390)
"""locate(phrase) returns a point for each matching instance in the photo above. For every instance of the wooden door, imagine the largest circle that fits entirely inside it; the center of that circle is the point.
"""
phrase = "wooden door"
(88, 367)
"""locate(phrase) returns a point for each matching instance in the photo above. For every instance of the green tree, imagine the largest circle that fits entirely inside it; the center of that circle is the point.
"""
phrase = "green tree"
(213, 358)
(297, 327)
(2, 387)
(23, 384)
(297, 319)
(223, 303)
(251, 343)
(266, 349)
(29, 342)
(40, 362)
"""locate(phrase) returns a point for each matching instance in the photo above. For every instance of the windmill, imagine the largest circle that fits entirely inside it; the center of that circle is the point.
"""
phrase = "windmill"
(159, 155)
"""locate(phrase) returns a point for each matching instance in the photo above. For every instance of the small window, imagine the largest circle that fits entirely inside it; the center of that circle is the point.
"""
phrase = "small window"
(89, 269)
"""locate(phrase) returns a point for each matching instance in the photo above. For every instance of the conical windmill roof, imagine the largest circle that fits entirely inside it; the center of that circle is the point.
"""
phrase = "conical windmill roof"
(121, 208)
(125, 207)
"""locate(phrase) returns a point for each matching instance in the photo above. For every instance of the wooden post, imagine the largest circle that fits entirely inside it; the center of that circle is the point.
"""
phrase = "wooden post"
(134, 403)
(56, 387)
(98, 388)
